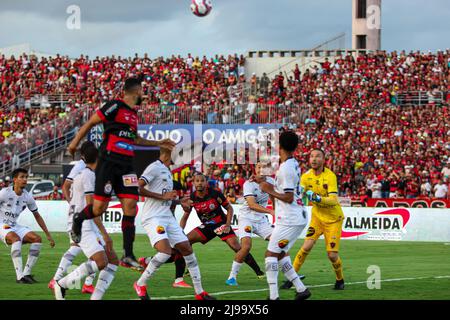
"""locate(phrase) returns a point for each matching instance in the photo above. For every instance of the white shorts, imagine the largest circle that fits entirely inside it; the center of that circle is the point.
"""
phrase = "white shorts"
(21, 231)
(283, 237)
(164, 228)
(91, 243)
(247, 227)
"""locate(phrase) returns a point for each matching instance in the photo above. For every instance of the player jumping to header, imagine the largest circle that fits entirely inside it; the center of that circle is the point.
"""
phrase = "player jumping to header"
(115, 167)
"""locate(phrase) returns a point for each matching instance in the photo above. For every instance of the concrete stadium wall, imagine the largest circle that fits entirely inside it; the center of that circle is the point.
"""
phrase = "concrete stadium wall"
(395, 224)
(274, 61)
(272, 66)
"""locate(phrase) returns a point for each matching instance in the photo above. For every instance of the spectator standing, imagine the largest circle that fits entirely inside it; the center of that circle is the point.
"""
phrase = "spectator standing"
(55, 195)
(440, 190)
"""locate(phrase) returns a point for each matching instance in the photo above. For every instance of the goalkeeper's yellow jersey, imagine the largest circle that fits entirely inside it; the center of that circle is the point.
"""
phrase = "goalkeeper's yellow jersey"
(325, 184)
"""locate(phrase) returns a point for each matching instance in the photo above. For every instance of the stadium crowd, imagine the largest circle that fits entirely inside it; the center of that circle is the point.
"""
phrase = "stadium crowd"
(348, 106)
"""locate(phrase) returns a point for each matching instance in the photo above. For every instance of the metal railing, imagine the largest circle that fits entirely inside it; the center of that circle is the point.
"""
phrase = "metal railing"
(305, 53)
(40, 141)
(239, 113)
(419, 98)
(37, 153)
(43, 100)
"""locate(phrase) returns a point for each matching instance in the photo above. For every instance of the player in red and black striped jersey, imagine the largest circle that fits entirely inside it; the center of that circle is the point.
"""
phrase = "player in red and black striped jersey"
(208, 204)
(115, 170)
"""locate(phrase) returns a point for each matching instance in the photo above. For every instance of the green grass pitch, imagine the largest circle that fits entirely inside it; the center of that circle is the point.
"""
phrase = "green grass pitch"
(409, 270)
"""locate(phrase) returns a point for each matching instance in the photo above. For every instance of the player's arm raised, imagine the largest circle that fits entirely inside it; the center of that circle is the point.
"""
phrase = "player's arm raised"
(92, 122)
(166, 143)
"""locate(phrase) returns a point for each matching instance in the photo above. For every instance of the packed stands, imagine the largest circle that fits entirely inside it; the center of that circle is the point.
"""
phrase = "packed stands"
(362, 110)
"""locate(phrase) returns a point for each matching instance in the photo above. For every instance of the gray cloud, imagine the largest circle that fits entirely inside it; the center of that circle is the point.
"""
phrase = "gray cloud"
(167, 27)
(100, 11)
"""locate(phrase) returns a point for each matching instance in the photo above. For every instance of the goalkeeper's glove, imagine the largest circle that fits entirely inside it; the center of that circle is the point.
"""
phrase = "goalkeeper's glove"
(314, 197)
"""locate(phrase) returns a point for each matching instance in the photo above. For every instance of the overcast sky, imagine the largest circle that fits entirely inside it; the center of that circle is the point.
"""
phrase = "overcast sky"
(165, 27)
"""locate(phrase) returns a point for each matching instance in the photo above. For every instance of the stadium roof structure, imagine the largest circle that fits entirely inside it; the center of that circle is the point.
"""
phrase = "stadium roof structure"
(22, 48)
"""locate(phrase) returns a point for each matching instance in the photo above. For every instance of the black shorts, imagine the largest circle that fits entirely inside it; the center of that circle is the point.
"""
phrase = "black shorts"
(206, 231)
(119, 177)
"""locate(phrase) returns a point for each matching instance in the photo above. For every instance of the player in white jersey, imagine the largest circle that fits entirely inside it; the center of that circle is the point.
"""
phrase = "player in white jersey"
(252, 220)
(162, 228)
(13, 201)
(290, 218)
(95, 241)
(74, 250)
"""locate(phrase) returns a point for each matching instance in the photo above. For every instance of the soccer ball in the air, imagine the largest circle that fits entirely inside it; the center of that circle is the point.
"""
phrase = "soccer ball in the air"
(201, 8)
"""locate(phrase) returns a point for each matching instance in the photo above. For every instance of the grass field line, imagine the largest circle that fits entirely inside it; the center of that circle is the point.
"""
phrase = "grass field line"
(220, 293)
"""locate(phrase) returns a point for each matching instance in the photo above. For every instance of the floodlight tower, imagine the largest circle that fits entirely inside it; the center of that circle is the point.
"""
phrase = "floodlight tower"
(366, 24)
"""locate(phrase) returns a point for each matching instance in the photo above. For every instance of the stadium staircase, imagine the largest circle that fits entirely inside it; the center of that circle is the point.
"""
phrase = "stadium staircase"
(70, 123)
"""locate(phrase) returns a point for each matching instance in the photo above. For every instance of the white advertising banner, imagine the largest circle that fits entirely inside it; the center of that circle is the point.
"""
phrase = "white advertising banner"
(397, 224)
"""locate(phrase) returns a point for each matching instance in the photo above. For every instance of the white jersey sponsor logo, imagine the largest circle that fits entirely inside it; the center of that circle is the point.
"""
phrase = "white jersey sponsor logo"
(12, 205)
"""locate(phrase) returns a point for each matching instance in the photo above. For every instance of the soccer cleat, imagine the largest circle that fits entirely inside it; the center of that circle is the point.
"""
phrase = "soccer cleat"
(286, 285)
(339, 285)
(303, 295)
(77, 224)
(24, 280)
(141, 291)
(130, 262)
(60, 292)
(231, 282)
(143, 262)
(30, 278)
(181, 284)
(268, 298)
(204, 296)
(88, 289)
(260, 275)
(51, 284)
